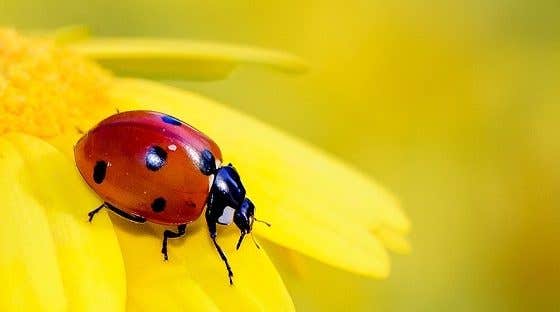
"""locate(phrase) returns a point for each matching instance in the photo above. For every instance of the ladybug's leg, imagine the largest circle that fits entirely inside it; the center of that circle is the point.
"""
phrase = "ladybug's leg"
(212, 229)
(92, 213)
(116, 210)
(181, 230)
(128, 216)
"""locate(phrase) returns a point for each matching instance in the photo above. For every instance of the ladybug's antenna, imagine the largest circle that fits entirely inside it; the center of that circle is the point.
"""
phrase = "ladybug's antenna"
(243, 233)
(262, 221)
(255, 241)
(243, 236)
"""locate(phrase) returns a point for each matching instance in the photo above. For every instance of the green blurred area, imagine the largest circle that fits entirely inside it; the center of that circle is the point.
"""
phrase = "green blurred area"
(451, 104)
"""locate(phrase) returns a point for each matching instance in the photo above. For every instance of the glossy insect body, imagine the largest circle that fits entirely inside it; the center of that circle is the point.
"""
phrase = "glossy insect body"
(148, 166)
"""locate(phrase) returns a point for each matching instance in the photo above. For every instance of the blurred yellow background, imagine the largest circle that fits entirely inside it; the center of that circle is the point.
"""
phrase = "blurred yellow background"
(453, 105)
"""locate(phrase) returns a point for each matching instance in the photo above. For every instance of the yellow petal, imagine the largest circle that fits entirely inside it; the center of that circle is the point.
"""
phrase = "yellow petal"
(53, 258)
(180, 59)
(29, 272)
(312, 200)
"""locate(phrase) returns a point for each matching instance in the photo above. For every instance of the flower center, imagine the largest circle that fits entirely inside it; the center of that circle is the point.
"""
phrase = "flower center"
(46, 90)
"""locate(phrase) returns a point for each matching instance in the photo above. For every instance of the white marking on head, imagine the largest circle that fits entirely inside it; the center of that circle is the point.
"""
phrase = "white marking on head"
(172, 147)
(227, 216)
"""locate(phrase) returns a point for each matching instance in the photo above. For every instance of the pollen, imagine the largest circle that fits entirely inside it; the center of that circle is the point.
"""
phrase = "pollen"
(46, 90)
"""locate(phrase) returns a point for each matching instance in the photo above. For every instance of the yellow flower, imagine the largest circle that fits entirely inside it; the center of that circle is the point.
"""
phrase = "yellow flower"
(52, 259)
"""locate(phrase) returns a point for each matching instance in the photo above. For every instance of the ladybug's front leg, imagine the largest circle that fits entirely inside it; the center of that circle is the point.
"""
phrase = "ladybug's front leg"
(181, 230)
(213, 234)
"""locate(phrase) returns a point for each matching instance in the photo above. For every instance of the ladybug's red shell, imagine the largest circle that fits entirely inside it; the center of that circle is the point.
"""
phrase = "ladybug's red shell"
(147, 164)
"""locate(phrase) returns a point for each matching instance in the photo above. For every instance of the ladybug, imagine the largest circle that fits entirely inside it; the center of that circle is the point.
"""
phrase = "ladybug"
(149, 166)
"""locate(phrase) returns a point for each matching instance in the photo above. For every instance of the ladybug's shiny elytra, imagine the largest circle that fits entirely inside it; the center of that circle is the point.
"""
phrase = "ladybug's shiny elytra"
(149, 166)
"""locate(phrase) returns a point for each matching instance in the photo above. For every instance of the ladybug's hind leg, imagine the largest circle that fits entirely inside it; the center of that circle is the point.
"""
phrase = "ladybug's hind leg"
(92, 213)
(181, 230)
(119, 212)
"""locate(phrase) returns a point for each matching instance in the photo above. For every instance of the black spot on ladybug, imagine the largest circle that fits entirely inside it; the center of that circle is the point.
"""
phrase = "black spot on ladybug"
(158, 205)
(99, 171)
(171, 120)
(155, 158)
(207, 164)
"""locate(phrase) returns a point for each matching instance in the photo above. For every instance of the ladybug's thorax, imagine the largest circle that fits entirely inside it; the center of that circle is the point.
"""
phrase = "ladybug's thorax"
(226, 194)
(227, 200)
(227, 181)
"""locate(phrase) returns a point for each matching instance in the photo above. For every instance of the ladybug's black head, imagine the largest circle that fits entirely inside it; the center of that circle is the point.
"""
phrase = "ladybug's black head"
(244, 216)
